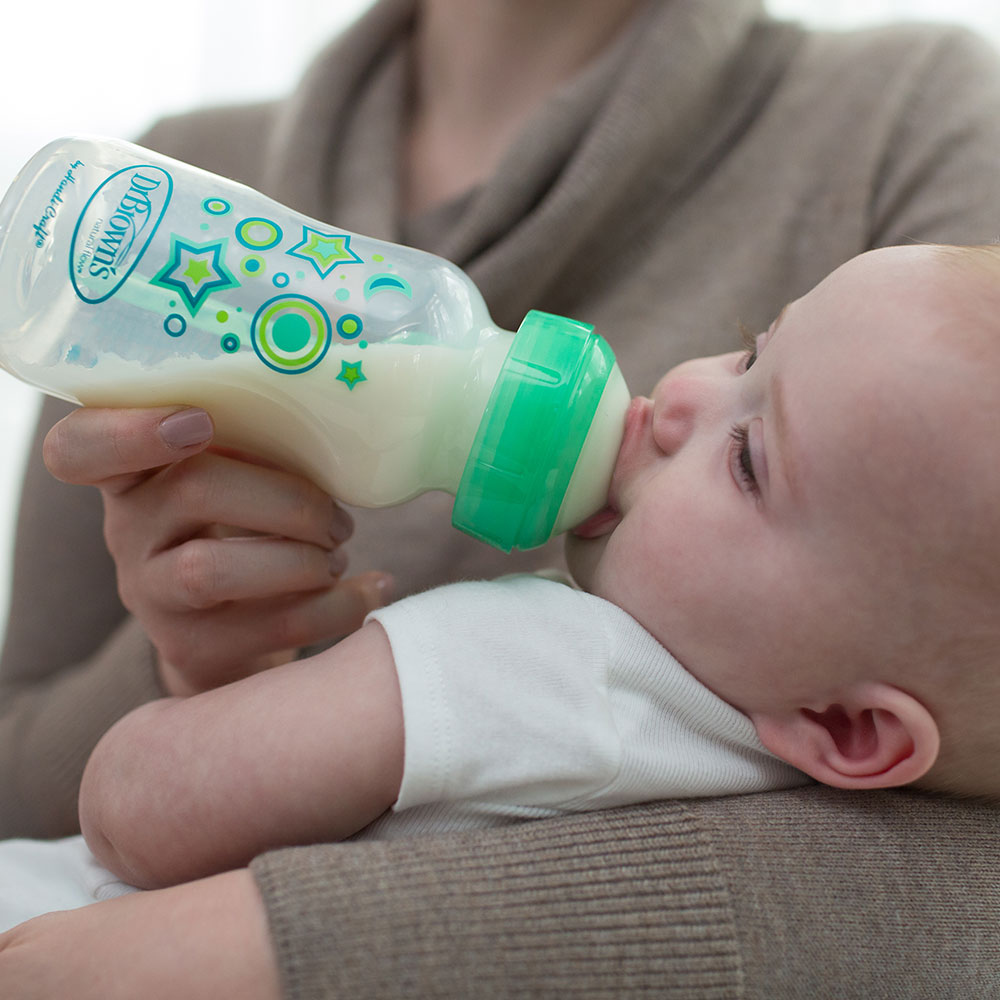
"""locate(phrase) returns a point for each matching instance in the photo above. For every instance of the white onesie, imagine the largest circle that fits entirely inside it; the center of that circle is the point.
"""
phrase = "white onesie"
(523, 698)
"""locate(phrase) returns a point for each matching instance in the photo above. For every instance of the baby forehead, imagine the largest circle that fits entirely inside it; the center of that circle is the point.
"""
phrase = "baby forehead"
(909, 313)
(917, 398)
(897, 418)
(943, 298)
(969, 323)
(892, 415)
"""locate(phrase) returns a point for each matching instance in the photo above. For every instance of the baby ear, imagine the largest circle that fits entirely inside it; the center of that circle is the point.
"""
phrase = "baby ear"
(874, 736)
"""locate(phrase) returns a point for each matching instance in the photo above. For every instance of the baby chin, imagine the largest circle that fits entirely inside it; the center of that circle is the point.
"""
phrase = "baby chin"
(583, 555)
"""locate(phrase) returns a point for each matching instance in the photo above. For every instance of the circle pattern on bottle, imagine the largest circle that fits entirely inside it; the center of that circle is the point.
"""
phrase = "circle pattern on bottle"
(175, 324)
(258, 234)
(291, 333)
(252, 265)
(349, 326)
(216, 206)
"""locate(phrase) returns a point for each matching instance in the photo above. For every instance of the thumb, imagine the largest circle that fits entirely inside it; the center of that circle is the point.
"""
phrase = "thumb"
(353, 597)
(375, 588)
(116, 448)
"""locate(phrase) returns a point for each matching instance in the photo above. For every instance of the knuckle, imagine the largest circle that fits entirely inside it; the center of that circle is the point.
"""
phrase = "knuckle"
(198, 573)
(189, 485)
(308, 507)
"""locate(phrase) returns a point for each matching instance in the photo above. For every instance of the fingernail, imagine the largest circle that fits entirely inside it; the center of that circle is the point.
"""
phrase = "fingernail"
(384, 585)
(185, 428)
(341, 525)
(338, 562)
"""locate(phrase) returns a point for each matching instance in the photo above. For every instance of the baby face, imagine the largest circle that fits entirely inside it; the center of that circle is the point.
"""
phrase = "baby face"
(764, 504)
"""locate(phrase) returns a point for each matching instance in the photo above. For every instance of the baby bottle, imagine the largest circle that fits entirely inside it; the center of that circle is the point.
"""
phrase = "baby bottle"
(130, 279)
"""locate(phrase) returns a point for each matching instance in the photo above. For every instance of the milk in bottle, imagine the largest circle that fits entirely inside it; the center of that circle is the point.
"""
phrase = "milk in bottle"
(130, 279)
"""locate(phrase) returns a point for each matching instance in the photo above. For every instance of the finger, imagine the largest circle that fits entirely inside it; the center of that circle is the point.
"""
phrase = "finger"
(205, 572)
(336, 612)
(211, 489)
(232, 641)
(115, 448)
(329, 614)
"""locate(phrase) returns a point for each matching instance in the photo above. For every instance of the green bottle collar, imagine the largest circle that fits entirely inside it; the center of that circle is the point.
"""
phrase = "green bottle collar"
(532, 432)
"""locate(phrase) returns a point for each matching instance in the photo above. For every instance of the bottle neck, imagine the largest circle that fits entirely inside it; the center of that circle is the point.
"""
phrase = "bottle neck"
(534, 427)
(588, 487)
(462, 405)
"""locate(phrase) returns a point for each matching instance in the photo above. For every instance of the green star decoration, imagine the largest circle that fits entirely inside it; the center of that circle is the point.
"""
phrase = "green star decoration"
(194, 271)
(324, 250)
(197, 270)
(351, 374)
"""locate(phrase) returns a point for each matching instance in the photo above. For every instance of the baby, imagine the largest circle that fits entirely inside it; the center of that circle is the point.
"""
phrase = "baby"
(811, 528)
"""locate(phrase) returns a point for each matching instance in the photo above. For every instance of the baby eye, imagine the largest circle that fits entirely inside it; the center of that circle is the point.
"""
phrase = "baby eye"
(741, 461)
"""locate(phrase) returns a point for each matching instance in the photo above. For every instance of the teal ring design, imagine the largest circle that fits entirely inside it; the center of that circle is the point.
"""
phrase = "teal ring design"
(350, 326)
(175, 325)
(216, 206)
(291, 333)
(251, 242)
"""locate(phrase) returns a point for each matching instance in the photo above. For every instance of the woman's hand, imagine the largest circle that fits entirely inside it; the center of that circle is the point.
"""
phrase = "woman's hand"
(229, 564)
(204, 940)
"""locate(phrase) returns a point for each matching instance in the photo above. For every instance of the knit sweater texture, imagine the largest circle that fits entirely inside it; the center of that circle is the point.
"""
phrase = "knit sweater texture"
(710, 166)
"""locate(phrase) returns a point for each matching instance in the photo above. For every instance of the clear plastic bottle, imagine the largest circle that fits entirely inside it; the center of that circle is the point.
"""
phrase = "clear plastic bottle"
(131, 279)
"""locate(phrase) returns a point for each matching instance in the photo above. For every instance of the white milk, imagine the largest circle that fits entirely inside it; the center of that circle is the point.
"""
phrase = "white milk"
(130, 279)
(406, 428)
(587, 491)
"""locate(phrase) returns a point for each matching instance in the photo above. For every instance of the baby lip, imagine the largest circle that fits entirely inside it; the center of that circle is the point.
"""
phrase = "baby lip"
(630, 454)
(601, 523)
(609, 516)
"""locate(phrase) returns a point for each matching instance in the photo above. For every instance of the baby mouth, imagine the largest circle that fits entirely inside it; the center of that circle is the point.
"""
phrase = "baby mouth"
(610, 515)
(602, 523)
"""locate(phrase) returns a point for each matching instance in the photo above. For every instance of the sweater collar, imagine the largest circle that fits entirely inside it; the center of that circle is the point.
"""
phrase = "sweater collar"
(646, 114)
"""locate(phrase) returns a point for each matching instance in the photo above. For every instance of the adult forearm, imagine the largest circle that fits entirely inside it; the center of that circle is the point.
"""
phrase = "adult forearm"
(204, 940)
(49, 728)
(609, 904)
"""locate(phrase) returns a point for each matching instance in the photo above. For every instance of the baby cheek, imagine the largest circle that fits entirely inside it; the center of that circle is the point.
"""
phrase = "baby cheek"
(639, 571)
(672, 567)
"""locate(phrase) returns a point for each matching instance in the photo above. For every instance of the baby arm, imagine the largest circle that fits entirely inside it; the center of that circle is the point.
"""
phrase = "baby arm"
(308, 752)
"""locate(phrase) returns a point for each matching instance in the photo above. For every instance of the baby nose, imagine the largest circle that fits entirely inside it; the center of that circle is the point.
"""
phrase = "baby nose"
(682, 401)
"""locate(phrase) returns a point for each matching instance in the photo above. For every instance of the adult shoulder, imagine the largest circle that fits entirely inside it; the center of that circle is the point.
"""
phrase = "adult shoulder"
(230, 140)
(899, 47)
(888, 135)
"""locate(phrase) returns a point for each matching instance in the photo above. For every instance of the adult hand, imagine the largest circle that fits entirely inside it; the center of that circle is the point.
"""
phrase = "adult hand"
(198, 941)
(229, 564)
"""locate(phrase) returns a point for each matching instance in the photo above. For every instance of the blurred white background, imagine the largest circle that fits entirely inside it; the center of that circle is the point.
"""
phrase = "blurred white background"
(155, 64)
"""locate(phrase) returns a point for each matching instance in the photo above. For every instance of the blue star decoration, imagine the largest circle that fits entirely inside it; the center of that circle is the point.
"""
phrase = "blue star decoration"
(351, 374)
(324, 250)
(194, 271)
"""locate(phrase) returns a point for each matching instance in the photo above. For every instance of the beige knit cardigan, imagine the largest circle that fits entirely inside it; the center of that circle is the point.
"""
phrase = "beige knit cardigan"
(711, 165)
